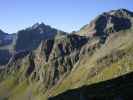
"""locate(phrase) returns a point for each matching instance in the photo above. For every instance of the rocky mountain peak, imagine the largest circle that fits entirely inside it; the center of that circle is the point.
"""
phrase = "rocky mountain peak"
(46, 61)
(30, 38)
(39, 26)
(121, 12)
(108, 22)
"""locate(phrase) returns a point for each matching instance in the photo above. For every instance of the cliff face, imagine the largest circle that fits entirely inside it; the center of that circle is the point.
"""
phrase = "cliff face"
(30, 38)
(45, 62)
(108, 22)
(58, 57)
(25, 40)
(50, 62)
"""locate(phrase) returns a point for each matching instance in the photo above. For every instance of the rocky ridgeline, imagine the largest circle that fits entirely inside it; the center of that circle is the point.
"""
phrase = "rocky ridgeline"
(46, 55)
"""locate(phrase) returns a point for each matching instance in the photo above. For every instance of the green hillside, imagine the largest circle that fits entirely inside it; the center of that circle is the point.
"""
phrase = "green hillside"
(42, 66)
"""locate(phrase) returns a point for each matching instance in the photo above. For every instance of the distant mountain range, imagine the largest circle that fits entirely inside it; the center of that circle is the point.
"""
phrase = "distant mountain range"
(41, 62)
(25, 40)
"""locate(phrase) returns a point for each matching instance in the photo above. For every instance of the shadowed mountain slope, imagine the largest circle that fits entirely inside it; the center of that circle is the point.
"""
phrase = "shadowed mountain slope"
(45, 62)
(116, 89)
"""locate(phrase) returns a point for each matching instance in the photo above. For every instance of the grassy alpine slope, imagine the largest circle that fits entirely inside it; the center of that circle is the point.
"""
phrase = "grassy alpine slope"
(71, 61)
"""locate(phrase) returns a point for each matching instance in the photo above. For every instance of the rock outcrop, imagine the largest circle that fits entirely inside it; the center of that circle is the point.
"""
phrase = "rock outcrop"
(45, 61)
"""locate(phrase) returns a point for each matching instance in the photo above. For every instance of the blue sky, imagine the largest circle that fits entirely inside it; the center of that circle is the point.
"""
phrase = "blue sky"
(67, 15)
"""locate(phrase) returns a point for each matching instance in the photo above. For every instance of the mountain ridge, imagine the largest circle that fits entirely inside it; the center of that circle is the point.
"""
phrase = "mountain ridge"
(44, 65)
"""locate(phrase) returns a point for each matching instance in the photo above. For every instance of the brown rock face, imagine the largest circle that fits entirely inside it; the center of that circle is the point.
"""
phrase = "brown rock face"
(107, 23)
(51, 61)
(58, 56)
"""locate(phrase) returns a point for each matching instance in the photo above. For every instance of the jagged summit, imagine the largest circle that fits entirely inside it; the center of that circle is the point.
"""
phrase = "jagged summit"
(31, 37)
(37, 25)
(121, 12)
(43, 28)
(25, 40)
(40, 26)
(42, 61)
(108, 22)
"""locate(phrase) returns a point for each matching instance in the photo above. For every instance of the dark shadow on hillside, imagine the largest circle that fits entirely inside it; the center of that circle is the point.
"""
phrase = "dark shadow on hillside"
(120, 88)
(4, 56)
